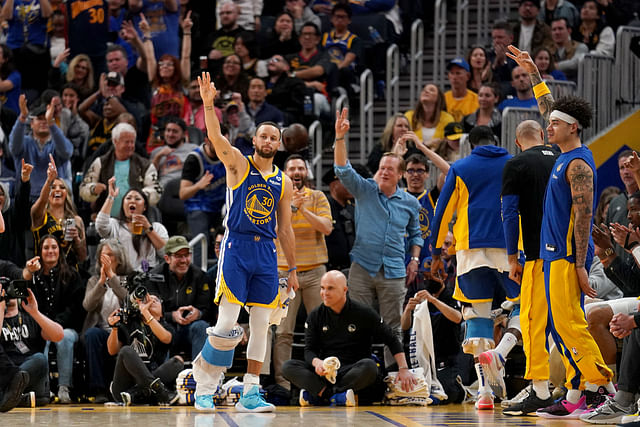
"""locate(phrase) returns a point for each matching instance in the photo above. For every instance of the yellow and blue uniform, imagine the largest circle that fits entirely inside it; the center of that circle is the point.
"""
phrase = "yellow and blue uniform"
(580, 354)
(427, 201)
(472, 191)
(248, 266)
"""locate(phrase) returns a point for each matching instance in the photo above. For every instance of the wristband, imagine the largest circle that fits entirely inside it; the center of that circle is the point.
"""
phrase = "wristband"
(416, 259)
(149, 230)
(292, 269)
(149, 320)
(403, 367)
(208, 107)
(540, 90)
(340, 139)
(186, 34)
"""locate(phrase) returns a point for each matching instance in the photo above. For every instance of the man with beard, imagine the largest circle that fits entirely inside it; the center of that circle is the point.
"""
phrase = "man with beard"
(311, 221)
(248, 264)
(169, 159)
(284, 92)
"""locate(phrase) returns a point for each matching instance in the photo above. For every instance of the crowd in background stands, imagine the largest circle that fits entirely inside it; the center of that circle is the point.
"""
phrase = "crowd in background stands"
(102, 132)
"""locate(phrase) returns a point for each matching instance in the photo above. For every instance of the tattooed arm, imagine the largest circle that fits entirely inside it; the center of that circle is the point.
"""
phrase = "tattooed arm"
(545, 102)
(580, 178)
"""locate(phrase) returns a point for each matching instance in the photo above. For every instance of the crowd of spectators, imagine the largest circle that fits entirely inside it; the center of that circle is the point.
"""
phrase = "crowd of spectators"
(103, 139)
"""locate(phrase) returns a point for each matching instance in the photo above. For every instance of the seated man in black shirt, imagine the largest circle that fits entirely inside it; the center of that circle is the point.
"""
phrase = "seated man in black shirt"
(344, 329)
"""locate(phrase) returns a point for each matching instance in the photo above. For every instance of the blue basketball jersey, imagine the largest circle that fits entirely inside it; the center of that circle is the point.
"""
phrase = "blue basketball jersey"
(252, 203)
(427, 208)
(556, 236)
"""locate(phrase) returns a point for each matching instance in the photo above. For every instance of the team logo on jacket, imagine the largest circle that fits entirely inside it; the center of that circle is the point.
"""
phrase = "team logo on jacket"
(424, 223)
(351, 328)
(259, 204)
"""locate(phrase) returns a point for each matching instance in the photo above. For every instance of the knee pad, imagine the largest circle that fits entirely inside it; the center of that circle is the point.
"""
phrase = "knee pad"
(218, 349)
(478, 336)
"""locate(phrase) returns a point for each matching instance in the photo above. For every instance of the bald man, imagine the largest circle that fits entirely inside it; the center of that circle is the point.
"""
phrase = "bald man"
(524, 180)
(345, 329)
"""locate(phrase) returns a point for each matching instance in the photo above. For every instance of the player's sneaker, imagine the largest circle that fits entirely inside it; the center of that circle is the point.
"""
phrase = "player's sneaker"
(531, 404)
(564, 409)
(522, 395)
(252, 401)
(493, 366)
(204, 402)
(610, 412)
(596, 398)
(485, 401)
(346, 398)
(306, 399)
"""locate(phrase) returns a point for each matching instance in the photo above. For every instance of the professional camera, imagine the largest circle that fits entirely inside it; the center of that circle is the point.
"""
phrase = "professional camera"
(14, 288)
(137, 287)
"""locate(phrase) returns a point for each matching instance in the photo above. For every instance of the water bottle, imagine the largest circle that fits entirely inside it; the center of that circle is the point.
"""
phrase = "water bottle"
(308, 105)
(376, 38)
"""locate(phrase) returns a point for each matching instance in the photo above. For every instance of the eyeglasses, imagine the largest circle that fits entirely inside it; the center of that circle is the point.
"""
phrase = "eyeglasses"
(165, 64)
(416, 171)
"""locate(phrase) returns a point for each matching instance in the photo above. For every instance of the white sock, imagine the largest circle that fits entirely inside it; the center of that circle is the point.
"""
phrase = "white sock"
(573, 396)
(483, 386)
(249, 380)
(507, 342)
(611, 389)
(590, 387)
(541, 388)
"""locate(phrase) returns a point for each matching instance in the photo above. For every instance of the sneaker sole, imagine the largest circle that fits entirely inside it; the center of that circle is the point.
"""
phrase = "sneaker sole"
(484, 406)
(261, 409)
(575, 415)
(203, 409)
(614, 420)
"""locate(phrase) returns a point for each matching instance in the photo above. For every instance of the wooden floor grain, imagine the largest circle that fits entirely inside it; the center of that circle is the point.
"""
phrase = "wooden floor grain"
(368, 416)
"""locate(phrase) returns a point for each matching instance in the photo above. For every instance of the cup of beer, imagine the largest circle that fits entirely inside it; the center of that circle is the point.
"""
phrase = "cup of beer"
(137, 228)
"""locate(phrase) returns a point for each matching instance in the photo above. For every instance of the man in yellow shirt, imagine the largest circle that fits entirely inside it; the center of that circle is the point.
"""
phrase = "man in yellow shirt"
(460, 100)
(311, 221)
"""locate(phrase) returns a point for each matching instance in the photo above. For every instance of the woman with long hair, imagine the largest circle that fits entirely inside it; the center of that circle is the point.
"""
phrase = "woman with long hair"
(80, 73)
(54, 213)
(246, 47)
(232, 79)
(593, 31)
(544, 61)
(480, 68)
(10, 80)
(282, 40)
(487, 113)
(429, 117)
(142, 240)
(104, 294)
(59, 289)
(168, 78)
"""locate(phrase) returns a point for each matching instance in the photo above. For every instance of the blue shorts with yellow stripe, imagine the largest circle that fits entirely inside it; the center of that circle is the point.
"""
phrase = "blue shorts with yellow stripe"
(247, 270)
(480, 284)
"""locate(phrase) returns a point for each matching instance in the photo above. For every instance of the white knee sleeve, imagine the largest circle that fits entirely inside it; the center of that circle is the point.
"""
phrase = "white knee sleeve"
(227, 316)
(258, 325)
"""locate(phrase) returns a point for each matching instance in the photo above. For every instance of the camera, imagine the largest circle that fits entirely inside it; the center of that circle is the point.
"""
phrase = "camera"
(14, 288)
(137, 286)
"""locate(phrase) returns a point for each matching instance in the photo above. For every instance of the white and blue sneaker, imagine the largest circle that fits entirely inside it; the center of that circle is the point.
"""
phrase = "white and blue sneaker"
(204, 402)
(346, 398)
(252, 401)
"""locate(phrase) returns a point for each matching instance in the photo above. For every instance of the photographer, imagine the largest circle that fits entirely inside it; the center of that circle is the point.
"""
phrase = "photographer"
(185, 294)
(105, 293)
(141, 343)
(24, 333)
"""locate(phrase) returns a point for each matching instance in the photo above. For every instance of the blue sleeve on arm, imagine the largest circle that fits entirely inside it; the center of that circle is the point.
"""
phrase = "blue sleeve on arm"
(511, 222)
(350, 179)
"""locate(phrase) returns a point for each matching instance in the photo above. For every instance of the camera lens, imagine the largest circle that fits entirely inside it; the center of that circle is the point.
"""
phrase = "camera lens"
(140, 292)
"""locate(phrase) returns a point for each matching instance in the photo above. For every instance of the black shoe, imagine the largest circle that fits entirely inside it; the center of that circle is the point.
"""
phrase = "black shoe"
(28, 400)
(531, 404)
(163, 396)
(136, 395)
(13, 393)
(596, 398)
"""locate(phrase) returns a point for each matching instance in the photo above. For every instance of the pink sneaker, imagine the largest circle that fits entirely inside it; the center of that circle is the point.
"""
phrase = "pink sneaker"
(493, 365)
(485, 401)
(564, 409)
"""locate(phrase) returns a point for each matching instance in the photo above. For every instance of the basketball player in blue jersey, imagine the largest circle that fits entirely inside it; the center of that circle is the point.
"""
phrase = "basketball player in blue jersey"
(258, 195)
(566, 248)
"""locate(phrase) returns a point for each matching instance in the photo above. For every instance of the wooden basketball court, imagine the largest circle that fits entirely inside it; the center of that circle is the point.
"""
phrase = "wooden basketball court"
(181, 416)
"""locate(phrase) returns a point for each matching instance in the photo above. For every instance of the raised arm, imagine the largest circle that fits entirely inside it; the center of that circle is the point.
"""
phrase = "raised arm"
(235, 163)
(40, 206)
(580, 178)
(340, 156)
(542, 93)
(185, 55)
